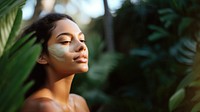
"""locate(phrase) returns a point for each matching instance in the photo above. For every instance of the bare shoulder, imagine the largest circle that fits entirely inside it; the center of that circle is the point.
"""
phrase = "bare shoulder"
(41, 105)
(77, 97)
(80, 103)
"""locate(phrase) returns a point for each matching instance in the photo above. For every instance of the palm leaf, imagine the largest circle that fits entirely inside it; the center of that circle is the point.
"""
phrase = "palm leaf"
(101, 63)
(9, 20)
(101, 68)
(197, 93)
(6, 6)
(14, 29)
(167, 16)
(185, 51)
(158, 33)
(196, 107)
(16, 58)
(176, 99)
(185, 22)
(165, 11)
(19, 72)
(5, 28)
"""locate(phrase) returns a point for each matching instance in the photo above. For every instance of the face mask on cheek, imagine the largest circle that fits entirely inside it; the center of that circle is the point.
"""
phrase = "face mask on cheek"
(58, 51)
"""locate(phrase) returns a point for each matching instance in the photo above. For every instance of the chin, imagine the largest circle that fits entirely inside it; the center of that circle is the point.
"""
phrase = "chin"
(83, 69)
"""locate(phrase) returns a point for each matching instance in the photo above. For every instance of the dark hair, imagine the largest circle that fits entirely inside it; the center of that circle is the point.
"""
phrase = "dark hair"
(42, 30)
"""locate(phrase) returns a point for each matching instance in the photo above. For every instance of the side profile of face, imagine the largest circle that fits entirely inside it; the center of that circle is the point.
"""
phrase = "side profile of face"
(68, 53)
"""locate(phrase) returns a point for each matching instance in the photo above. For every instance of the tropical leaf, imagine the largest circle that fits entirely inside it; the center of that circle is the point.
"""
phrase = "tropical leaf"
(182, 23)
(197, 93)
(95, 46)
(144, 52)
(5, 28)
(19, 72)
(168, 19)
(8, 30)
(196, 107)
(194, 73)
(156, 36)
(13, 54)
(99, 70)
(195, 84)
(8, 16)
(176, 99)
(186, 80)
(158, 29)
(158, 33)
(185, 22)
(15, 72)
(167, 16)
(165, 11)
(14, 30)
(6, 6)
(185, 51)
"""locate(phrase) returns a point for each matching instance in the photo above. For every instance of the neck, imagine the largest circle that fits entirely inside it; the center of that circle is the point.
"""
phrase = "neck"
(60, 88)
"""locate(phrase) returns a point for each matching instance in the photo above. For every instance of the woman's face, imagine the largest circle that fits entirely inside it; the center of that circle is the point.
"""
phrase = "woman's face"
(68, 53)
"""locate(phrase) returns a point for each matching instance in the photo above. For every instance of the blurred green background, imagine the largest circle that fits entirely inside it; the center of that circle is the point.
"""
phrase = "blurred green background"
(144, 54)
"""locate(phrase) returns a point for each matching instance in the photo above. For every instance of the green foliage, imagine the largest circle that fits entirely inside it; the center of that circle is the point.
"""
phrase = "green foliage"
(167, 16)
(101, 63)
(14, 74)
(6, 6)
(176, 99)
(181, 21)
(9, 25)
(144, 80)
(158, 41)
(151, 60)
(196, 108)
(158, 34)
(16, 57)
(185, 22)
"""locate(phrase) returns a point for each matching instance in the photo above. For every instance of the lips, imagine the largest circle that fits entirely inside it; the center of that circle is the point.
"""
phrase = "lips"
(81, 58)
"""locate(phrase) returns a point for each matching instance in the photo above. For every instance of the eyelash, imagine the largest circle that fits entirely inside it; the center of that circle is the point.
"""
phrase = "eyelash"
(65, 42)
(83, 41)
(68, 42)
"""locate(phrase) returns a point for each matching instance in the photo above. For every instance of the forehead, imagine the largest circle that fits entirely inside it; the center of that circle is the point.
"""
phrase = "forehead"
(65, 25)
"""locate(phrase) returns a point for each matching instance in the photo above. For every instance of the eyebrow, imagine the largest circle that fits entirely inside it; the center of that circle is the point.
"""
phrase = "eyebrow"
(68, 34)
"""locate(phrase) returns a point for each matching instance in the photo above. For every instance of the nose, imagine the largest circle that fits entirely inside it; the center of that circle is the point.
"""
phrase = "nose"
(80, 47)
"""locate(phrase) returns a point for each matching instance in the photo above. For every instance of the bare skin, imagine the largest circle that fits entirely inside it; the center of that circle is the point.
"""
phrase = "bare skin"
(67, 56)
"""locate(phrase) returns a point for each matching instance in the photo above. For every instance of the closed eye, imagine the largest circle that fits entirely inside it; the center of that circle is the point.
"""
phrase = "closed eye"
(83, 41)
(65, 42)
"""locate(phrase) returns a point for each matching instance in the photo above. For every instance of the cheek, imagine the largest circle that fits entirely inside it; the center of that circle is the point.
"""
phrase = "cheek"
(58, 51)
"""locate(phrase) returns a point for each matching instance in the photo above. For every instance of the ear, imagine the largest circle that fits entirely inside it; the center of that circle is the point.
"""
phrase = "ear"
(42, 59)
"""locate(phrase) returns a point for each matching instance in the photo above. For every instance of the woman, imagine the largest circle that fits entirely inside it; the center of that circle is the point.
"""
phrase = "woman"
(64, 54)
